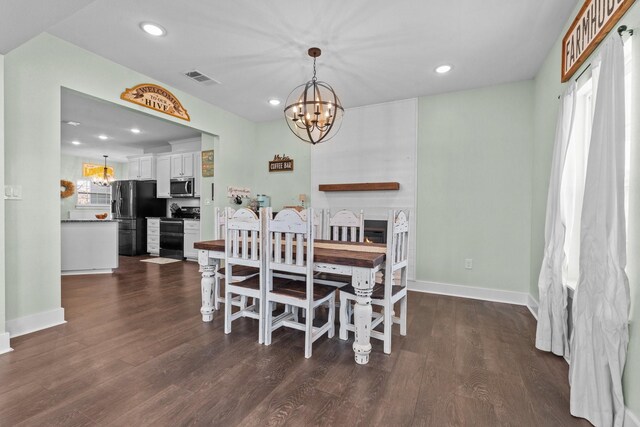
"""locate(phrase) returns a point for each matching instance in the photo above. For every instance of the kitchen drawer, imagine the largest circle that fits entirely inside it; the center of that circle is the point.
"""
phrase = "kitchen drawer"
(192, 225)
(153, 222)
(153, 231)
(153, 239)
(153, 248)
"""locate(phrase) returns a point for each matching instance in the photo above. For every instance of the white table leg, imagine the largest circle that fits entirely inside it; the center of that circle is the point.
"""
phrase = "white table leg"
(363, 280)
(208, 268)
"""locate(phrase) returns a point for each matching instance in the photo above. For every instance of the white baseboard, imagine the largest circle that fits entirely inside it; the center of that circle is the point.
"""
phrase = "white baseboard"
(82, 272)
(4, 343)
(484, 294)
(630, 419)
(532, 305)
(35, 322)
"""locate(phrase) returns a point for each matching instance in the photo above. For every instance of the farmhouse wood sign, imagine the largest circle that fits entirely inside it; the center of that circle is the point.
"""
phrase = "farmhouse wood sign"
(594, 21)
(280, 163)
(207, 164)
(157, 98)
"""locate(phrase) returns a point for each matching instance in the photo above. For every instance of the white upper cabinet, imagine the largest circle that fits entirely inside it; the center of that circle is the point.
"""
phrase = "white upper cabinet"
(164, 177)
(182, 165)
(142, 168)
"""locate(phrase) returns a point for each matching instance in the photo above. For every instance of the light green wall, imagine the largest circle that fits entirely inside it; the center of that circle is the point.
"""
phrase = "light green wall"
(547, 88)
(474, 187)
(2, 223)
(284, 187)
(35, 73)
(71, 170)
(632, 370)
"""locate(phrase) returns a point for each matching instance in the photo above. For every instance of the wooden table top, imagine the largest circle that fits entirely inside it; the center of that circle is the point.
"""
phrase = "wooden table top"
(372, 255)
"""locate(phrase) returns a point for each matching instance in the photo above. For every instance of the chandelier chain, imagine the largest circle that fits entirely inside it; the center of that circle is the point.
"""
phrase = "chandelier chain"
(314, 70)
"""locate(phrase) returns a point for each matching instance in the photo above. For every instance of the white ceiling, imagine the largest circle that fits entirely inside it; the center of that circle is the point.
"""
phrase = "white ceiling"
(373, 50)
(98, 117)
(21, 20)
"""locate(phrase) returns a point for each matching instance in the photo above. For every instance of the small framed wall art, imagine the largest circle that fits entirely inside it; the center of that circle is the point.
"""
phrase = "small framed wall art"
(207, 164)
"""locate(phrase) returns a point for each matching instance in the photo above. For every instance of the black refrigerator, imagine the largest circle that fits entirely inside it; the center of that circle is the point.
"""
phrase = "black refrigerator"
(131, 203)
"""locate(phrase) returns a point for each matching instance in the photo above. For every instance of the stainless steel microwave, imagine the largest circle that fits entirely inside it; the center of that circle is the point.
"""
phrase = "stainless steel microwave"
(182, 187)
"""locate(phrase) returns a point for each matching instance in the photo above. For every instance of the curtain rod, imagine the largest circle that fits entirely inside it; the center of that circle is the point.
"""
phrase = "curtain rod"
(621, 29)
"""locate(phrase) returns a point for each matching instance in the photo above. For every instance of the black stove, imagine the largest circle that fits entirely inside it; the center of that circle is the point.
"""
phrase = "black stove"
(186, 212)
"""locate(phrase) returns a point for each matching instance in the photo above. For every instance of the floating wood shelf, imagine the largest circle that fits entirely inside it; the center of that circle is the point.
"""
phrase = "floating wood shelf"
(361, 186)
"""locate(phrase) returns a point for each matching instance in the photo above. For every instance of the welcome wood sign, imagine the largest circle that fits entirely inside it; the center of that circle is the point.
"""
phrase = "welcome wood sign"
(594, 21)
(157, 98)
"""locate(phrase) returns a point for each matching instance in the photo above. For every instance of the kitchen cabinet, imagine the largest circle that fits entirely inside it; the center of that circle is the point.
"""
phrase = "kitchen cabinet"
(153, 236)
(182, 165)
(142, 168)
(191, 235)
(163, 170)
(197, 182)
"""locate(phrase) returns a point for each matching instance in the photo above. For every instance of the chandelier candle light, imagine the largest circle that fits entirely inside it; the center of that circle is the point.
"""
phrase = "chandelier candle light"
(105, 180)
(313, 109)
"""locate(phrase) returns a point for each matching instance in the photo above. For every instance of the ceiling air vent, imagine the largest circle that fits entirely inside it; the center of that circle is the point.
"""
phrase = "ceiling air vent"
(201, 78)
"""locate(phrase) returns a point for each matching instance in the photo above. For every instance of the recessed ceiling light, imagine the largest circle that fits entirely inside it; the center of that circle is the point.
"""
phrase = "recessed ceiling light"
(135, 130)
(103, 137)
(275, 102)
(74, 142)
(71, 123)
(153, 29)
(443, 69)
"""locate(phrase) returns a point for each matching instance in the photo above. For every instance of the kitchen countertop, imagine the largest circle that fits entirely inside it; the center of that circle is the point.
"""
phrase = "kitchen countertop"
(89, 220)
(166, 217)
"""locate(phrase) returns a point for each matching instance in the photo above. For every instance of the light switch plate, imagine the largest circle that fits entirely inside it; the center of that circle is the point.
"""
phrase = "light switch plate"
(13, 192)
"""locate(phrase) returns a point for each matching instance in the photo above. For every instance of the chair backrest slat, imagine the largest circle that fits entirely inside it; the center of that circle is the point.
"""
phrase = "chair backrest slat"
(291, 253)
(397, 237)
(318, 221)
(220, 222)
(345, 226)
(242, 242)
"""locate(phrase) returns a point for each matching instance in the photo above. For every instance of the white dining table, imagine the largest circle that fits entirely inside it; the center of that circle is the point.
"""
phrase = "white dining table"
(361, 261)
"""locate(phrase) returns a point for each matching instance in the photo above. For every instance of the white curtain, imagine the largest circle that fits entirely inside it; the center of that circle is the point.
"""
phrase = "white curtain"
(601, 302)
(551, 334)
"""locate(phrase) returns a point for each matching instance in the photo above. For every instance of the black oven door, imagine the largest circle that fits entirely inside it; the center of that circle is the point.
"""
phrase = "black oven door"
(172, 239)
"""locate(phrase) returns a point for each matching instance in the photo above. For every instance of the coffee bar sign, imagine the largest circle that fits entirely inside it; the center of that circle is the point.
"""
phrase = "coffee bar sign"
(594, 21)
(157, 98)
(280, 163)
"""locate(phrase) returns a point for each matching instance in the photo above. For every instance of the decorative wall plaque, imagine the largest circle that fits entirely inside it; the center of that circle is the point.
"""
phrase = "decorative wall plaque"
(157, 98)
(207, 164)
(594, 21)
(280, 163)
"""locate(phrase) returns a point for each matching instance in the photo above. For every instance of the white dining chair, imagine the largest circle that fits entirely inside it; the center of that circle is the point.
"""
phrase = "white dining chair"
(240, 272)
(318, 221)
(392, 290)
(219, 222)
(243, 248)
(290, 249)
(344, 226)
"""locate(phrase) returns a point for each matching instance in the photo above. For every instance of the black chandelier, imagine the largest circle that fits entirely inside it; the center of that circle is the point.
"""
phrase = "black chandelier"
(313, 110)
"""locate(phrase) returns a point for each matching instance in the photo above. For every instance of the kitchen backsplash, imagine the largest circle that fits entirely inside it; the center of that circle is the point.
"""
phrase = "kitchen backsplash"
(181, 202)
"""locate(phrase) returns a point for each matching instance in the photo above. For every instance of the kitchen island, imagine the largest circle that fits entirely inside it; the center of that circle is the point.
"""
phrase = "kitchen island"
(89, 246)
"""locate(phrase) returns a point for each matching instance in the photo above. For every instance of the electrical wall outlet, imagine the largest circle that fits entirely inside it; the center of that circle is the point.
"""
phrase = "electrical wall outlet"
(468, 263)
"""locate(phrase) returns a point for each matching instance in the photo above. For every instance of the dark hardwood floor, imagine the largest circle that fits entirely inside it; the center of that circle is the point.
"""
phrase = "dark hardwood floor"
(135, 352)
